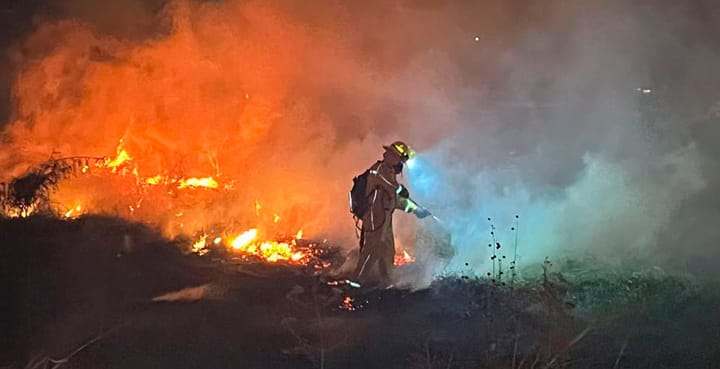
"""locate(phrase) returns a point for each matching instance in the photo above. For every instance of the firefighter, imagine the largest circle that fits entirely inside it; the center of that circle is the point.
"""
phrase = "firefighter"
(384, 194)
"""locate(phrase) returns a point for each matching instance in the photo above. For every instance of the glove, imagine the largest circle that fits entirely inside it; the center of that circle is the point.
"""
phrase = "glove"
(422, 213)
(403, 192)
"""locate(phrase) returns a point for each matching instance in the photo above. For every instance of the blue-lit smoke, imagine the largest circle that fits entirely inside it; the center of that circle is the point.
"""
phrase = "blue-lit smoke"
(609, 208)
(554, 130)
(470, 208)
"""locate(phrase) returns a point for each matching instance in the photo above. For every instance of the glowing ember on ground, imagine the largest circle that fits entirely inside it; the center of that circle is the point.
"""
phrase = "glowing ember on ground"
(248, 244)
(351, 304)
(344, 282)
(21, 213)
(271, 251)
(403, 258)
(347, 303)
(73, 212)
(199, 246)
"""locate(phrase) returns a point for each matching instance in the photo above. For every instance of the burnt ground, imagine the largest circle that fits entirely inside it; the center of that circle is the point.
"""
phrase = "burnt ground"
(83, 291)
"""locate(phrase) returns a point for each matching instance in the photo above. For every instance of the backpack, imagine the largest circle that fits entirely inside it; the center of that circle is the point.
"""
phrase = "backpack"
(358, 199)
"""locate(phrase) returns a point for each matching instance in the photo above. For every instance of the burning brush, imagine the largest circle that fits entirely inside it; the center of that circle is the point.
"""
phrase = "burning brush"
(268, 241)
(249, 246)
(30, 193)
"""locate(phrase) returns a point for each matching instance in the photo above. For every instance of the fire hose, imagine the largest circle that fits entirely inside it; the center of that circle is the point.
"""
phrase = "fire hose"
(430, 214)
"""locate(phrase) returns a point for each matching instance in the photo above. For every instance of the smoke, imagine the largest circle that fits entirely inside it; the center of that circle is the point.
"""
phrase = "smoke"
(528, 109)
(205, 291)
(570, 145)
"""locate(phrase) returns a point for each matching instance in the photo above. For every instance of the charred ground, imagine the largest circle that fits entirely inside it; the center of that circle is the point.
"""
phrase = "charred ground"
(93, 280)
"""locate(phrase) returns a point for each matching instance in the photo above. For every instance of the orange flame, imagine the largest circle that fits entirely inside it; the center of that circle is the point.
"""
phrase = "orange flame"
(403, 258)
(194, 108)
(199, 246)
(247, 243)
(155, 180)
(73, 212)
(21, 213)
(207, 182)
(348, 304)
(121, 158)
(243, 240)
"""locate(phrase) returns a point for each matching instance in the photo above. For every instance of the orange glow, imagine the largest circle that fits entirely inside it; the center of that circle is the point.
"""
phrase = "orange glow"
(195, 108)
(270, 251)
(348, 304)
(21, 213)
(207, 182)
(404, 258)
(199, 246)
(73, 212)
(155, 180)
(297, 256)
(121, 158)
(243, 240)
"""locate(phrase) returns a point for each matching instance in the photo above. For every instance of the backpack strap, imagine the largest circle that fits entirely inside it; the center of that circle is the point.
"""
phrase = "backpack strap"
(376, 172)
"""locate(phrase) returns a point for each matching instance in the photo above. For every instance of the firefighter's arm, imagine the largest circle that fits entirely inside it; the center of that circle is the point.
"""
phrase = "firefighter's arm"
(405, 204)
(409, 206)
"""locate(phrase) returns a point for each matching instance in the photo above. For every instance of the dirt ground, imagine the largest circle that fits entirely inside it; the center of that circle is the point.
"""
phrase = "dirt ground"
(100, 293)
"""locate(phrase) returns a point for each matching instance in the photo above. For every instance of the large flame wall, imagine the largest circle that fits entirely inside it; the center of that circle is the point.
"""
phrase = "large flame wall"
(230, 92)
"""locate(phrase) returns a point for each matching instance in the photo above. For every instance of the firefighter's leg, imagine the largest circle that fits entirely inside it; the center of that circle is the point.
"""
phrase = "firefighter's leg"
(386, 254)
(363, 256)
(369, 254)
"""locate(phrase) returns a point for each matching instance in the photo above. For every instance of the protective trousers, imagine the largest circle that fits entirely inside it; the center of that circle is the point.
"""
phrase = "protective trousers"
(377, 248)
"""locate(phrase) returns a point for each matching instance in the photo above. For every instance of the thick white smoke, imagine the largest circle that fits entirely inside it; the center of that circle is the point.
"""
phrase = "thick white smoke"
(586, 119)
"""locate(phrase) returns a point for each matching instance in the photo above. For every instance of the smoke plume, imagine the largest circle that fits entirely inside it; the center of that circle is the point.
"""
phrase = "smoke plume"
(593, 122)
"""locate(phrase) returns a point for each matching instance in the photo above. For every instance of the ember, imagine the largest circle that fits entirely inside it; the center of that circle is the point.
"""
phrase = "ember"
(243, 240)
(73, 212)
(404, 258)
(347, 304)
(271, 251)
(199, 246)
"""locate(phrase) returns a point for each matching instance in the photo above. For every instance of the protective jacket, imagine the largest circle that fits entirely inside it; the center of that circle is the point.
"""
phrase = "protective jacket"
(377, 243)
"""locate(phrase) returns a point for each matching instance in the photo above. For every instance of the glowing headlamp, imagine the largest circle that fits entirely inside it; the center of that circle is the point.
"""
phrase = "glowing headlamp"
(410, 163)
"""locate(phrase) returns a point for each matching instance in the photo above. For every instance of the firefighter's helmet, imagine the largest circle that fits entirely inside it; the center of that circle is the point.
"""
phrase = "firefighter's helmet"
(402, 149)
